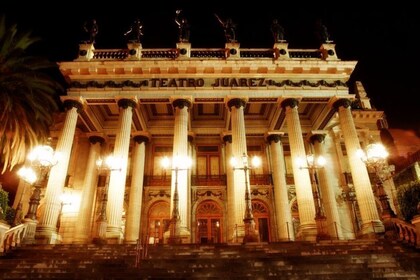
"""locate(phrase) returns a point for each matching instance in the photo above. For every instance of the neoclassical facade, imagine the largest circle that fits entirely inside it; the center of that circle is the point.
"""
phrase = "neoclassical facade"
(209, 105)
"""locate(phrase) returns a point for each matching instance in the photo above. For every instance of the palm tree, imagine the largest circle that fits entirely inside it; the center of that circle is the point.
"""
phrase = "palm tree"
(28, 96)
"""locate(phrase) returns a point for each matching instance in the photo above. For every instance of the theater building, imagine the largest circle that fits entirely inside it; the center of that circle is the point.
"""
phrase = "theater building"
(208, 106)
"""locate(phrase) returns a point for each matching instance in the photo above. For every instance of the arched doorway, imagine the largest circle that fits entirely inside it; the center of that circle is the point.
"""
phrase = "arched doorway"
(158, 222)
(209, 222)
(262, 221)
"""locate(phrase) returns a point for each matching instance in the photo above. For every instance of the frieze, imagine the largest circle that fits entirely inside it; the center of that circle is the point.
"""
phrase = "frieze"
(160, 193)
(217, 194)
(201, 82)
(260, 192)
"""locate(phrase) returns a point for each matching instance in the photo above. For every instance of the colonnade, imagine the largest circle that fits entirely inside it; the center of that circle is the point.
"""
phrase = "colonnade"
(235, 145)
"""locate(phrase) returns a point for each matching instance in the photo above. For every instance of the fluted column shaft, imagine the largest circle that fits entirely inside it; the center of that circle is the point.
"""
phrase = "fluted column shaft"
(327, 192)
(180, 149)
(46, 231)
(132, 228)
(117, 178)
(364, 194)
(281, 197)
(84, 219)
(239, 148)
(231, 228)
(304, 193)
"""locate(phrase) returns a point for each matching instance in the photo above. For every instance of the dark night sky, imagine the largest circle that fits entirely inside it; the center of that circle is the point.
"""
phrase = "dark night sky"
(382, 38)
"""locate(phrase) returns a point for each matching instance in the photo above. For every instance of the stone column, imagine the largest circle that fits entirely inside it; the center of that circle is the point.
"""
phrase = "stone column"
(191, 172)
(281, 198)
(84, 219)
(132, 224)
(117, 178)
(327, 192)
(231, 226)
(371, 223)
(180, 149)
(237, 106)
(304, 195)
(46, 232)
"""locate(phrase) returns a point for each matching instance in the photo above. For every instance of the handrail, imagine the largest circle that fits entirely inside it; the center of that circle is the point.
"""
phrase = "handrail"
(12, 238)
(406, 232)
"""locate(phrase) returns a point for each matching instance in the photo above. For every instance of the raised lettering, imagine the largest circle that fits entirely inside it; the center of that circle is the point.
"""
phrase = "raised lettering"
(242, 82)
(172, 83)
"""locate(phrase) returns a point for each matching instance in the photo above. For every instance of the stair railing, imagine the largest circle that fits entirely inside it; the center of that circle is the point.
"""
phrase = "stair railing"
(12, 238)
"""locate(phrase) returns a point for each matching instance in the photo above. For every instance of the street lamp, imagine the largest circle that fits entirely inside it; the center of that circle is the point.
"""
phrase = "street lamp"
(375, 157)
(109, 164)
(177, 164)
(41, 158)
(251, 234)
(313, 163)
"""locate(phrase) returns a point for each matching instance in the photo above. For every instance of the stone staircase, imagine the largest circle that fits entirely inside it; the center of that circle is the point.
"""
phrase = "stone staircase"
(356, 259)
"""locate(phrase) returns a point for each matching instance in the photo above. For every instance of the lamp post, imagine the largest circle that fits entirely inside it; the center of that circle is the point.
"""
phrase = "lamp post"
(313, 163)
(251, 234)
(41, 159)
(177, 164)
(108, 165)
(374, 157)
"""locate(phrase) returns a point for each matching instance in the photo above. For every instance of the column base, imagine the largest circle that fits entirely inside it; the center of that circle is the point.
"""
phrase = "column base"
(308, 232)
(114, 237)
(47, 235)
(371, 229)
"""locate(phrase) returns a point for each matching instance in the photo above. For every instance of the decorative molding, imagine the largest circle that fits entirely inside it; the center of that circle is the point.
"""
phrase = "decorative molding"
(146, 83)
(218, 194)
(159, 193)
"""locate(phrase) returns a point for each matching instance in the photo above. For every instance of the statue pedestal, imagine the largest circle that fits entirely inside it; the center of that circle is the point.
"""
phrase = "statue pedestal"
(281, 50)
(232, 50)
(184, 49)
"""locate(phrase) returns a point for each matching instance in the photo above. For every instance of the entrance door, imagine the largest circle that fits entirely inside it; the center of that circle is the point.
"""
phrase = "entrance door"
(208, 230)
(158, 222)
(209, 223)
(261, 217)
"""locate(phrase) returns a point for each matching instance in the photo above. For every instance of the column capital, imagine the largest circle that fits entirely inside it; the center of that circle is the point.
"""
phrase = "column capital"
(96, 139)
(181, 103)
(69, 104)
(141, 139)
(237, 102)
(191, 136)
(227, 138)
(125, 103)
(344, 102)
(319, 137)
(274, 138)
(289, 102)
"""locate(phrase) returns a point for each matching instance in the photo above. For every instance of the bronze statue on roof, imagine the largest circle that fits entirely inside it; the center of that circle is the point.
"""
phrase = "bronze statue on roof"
(183, 26)
(135, 32)
(91, 28)
(229, 27)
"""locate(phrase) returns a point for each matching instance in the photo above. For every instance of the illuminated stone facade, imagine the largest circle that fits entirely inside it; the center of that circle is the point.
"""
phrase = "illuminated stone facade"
(141, 105)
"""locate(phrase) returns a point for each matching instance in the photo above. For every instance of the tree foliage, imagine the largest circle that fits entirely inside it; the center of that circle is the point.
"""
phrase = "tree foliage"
(27, 95)
(408, 199)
